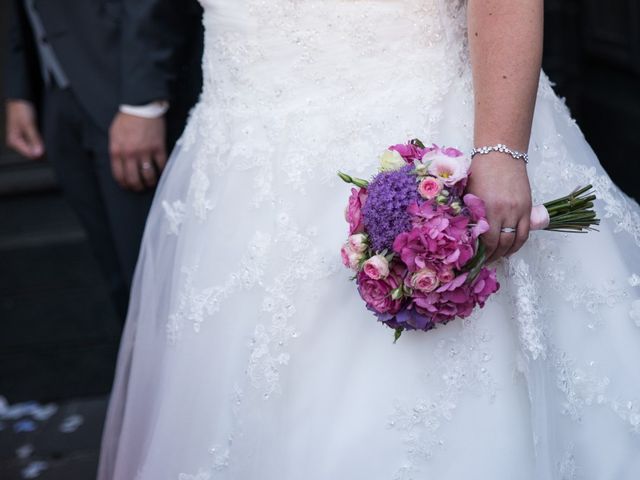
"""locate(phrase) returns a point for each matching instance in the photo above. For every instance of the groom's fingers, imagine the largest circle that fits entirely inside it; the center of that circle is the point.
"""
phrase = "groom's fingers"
(117, 169)
(148, 171)
(160, 160)
(133, 180)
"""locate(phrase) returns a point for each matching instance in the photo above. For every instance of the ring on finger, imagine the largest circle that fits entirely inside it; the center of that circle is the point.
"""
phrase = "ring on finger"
(146, 166)
(508, 230)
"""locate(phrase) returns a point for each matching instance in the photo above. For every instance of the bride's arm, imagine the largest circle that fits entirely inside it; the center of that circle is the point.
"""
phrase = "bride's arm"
(505, 40)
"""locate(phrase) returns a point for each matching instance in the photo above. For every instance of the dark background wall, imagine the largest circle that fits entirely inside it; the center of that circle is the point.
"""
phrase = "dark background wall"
(59, 334)
(592, 52)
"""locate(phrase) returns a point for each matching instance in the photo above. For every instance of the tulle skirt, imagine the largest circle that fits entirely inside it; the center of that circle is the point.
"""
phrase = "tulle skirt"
(248, 353)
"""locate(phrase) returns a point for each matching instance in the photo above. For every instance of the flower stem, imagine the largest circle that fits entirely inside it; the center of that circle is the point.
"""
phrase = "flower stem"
(573, 213)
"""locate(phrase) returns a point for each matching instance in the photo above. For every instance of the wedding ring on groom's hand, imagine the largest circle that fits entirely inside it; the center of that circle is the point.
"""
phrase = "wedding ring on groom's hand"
(508, 230)
(146, 166)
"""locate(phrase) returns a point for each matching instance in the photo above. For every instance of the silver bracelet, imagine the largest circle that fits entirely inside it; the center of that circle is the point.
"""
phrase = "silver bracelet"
(502, 149)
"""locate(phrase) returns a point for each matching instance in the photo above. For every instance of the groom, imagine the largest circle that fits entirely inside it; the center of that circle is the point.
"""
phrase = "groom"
(109, 83)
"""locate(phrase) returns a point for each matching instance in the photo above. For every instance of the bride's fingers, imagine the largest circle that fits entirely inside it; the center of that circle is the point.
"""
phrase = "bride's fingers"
(491, 238)
(505, 242)
(522, 235)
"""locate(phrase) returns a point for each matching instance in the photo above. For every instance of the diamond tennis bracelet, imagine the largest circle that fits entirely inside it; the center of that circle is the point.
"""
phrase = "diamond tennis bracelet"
(502, 149)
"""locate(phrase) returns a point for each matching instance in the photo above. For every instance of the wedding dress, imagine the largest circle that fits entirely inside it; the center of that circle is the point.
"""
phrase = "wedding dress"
(248, 353)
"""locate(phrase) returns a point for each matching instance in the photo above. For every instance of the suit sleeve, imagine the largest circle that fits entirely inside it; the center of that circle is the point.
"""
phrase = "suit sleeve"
(21, 68)
(153, 34)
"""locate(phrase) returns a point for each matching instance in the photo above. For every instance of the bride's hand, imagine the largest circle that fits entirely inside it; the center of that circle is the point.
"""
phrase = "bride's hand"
(502, 182)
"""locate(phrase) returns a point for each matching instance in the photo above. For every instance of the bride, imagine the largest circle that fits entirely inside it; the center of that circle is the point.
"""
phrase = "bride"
(248, 353)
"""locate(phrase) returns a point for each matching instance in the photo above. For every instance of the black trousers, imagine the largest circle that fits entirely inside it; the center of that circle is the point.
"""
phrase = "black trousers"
(114, 218)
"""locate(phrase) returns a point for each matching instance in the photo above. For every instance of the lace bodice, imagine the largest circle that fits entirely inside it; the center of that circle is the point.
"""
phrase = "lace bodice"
(273, 51)
(300, 62)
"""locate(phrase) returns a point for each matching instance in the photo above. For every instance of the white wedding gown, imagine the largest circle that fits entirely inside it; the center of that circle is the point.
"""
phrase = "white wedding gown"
(248, 353)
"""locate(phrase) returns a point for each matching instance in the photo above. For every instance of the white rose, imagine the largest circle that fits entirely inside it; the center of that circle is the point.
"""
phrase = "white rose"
(391, 160)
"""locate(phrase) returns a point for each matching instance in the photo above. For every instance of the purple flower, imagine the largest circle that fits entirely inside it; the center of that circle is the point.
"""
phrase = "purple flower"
(385, 209)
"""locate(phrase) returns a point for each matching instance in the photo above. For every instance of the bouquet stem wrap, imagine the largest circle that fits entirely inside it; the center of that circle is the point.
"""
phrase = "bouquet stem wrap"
(539, 218)
(573, 213)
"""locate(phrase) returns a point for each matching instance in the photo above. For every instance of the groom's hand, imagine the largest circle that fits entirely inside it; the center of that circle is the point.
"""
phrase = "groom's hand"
(138, 152)
(22, 130)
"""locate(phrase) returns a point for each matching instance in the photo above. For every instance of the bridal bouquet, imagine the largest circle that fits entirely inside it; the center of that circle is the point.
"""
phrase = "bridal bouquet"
(414, 236)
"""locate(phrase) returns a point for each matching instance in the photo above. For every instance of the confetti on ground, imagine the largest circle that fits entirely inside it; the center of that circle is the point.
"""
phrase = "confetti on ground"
(34, 469)
(25, 426)
(25, 451)
(34, 410)
(71, 423)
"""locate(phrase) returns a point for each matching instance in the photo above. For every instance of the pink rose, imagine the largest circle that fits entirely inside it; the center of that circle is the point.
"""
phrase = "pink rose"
(353, 213)
(424, 280)
(377, 293)
(429, 188)
(376, 268)
(358, 242)
(350, 258)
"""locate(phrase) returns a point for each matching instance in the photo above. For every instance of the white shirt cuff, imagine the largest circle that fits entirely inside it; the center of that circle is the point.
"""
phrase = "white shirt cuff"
(151, 110)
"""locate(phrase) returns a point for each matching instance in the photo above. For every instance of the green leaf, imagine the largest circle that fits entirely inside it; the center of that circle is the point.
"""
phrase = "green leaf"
(397, 334)
(397, 293)
(417, 143)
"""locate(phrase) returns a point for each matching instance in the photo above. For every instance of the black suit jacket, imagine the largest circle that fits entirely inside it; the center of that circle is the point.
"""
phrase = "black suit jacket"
(113, 52)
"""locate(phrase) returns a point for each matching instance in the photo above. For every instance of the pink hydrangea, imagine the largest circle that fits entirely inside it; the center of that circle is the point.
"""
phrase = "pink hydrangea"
(446, 274)
(477, 212)
(409, 151)
(484, 285)
(457, 298)
(438, 238)
(451, 300)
